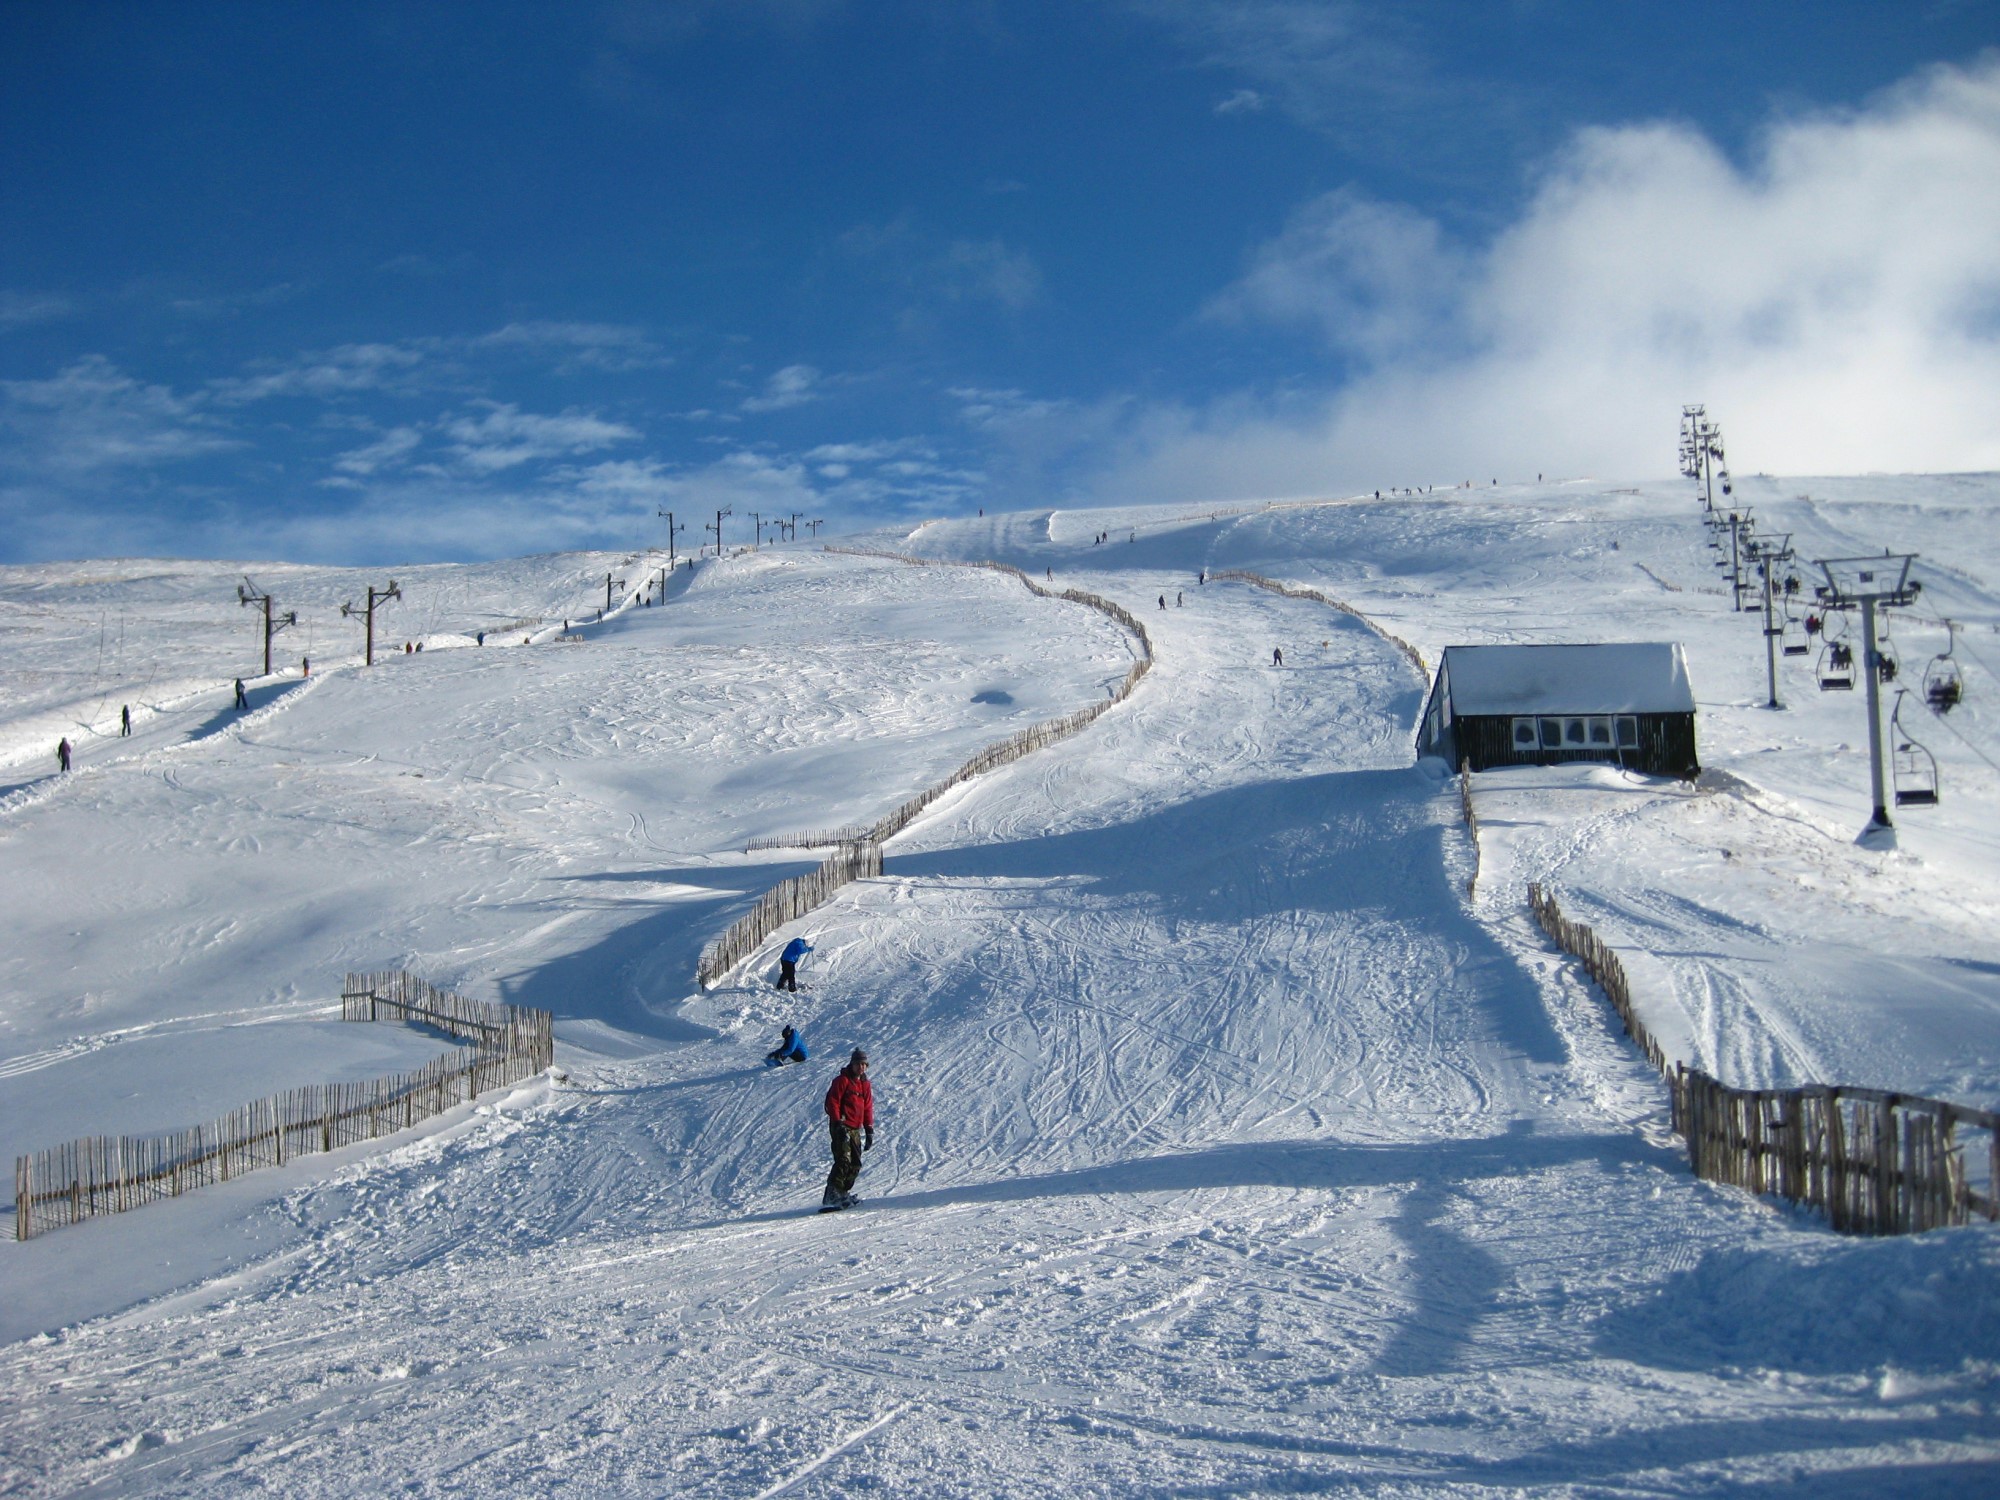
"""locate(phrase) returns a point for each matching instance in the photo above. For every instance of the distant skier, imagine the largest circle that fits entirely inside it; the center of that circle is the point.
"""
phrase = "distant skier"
(1179, 599)
(1277, 657)
(791, 1048)
(125, 722)
(242, 699)
(62, 753)
(1163, 601)
(788, 964)
(850, 1117)
(305, 666)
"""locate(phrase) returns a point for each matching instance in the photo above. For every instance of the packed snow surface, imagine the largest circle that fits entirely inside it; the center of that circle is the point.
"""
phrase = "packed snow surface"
(1227, 1145)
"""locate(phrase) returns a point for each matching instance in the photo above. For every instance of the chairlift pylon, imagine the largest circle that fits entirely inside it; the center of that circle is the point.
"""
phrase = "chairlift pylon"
(1913, 767)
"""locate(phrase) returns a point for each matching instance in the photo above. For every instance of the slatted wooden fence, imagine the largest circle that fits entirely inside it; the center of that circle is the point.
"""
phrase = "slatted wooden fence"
(1471, 825)
(814, 838)
(786, 901)
(792, 899)
(110, 1174)
(1258, 580)
(1873, 1161)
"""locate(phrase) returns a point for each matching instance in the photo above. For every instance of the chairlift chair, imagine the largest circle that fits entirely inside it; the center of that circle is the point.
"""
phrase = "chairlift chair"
(1944, 681)
(1836, 667)
(1913, 767)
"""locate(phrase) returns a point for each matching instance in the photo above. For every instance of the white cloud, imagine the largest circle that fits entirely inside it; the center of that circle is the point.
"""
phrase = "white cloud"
(1358, 71)
(1835, 301)
(93, 416)
(386, 451)
(347, 370)
(18, 309)
(506, 436)
(1370, 277)
(957, 271)
(611, 347)
(792, 386)
(988, 269)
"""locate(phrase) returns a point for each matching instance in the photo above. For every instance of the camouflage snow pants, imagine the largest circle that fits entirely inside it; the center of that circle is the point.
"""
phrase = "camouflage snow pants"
(846, 1162)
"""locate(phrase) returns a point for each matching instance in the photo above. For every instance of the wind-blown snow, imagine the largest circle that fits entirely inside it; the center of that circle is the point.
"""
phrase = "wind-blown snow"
(1226, 1146)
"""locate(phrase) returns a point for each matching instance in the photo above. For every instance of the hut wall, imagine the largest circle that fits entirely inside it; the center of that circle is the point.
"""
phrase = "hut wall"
(1665, 748)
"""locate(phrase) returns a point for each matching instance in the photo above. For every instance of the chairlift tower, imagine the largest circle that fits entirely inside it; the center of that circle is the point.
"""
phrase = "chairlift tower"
(716, 529)
(672, 531)
(375, 596)
(1768, 554)
(1701, 453)
(248, 593)
(1740, 538)
(1873, 583)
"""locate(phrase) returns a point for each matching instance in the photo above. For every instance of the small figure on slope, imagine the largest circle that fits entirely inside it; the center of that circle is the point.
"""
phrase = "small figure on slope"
(1277, 656)
(788, 963)
(62, 753)
(850, 1116)
(791, 1048)
(242, 702)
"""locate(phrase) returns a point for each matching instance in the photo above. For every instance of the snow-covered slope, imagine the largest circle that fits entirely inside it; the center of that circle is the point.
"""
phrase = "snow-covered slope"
(1225, 1146)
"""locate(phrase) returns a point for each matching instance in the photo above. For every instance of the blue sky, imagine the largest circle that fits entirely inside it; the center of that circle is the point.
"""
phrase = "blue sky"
(375, 283)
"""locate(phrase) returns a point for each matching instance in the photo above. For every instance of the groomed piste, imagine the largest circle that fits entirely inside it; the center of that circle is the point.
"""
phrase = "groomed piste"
(1226, 1144)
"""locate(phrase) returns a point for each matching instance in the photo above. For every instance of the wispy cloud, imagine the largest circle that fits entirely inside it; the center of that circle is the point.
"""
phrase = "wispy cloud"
(1369, 277)
(391, 448)
(347, 370)
(505, 436)
(1331, 64)
(18, 309)
(933, 273)
(1836, 298)
(611, 347)
(792, 386)
(93, 416)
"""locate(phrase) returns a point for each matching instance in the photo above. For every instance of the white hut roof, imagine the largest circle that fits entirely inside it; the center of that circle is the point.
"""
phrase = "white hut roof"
(1635, 677)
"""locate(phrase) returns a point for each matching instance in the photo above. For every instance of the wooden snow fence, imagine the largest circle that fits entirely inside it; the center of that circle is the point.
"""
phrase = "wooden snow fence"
(1874, 1162)
(1471, 825)
(861, 854)
(817, 838)
(1258, 580)
(786, 901)
(109, 1174)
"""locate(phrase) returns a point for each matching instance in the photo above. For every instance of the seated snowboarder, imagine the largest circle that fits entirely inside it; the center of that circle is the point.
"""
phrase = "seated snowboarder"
(791, 1048)
(788, 963)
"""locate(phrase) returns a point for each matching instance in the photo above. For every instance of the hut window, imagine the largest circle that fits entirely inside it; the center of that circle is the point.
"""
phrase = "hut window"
(1524, 734)
(1628, 732)
(1600, 732)
(1552, 734)
(1573, 732)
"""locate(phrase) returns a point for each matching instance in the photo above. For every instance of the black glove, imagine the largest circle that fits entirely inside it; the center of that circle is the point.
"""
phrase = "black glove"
(868, 1138)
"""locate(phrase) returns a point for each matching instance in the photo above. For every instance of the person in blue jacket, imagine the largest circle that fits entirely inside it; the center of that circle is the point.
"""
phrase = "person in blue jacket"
(791, 1048)
(788, 963)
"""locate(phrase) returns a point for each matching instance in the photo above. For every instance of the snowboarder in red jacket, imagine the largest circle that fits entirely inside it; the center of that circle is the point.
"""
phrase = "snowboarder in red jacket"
(850, 1115)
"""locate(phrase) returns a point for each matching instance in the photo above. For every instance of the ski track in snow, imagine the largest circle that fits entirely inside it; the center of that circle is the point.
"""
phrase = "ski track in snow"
(1224, 1147)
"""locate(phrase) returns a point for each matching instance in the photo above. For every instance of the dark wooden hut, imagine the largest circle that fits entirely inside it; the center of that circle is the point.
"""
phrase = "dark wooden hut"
(1628, 703)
